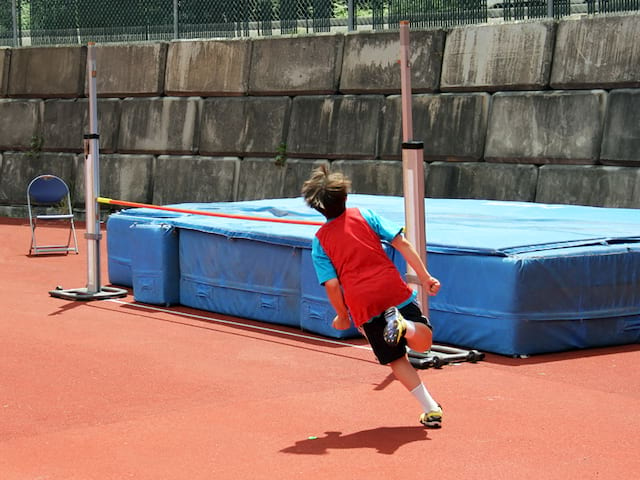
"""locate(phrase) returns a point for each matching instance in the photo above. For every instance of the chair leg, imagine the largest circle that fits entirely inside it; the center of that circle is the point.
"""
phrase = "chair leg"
(72, 231)
(33, 246)
(35, 249)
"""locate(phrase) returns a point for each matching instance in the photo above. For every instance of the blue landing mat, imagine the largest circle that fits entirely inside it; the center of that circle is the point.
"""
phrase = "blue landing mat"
(518, 278)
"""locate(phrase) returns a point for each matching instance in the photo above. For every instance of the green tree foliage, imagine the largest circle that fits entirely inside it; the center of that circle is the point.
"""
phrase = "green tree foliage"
(69, 14)
(124, 13)
(6, 22)
(53, 14)
(68, 21)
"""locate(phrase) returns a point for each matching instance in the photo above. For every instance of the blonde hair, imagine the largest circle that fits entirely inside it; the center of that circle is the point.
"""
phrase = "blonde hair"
(326, 191)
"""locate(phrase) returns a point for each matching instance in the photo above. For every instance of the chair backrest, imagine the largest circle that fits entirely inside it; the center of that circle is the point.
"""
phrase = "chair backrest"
(47, 189)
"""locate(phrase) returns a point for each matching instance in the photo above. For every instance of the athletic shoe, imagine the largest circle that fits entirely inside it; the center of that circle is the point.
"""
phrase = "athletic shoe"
(396, 326)
(432, 419)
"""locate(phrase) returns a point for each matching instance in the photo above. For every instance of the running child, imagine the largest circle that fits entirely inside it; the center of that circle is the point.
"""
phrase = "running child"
(365, 287)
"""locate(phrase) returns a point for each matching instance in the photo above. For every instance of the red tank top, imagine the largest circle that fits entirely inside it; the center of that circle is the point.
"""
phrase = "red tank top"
(370, 281)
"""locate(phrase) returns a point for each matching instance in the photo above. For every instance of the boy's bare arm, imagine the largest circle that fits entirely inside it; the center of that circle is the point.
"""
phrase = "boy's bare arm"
(334, 292)
(408, 251)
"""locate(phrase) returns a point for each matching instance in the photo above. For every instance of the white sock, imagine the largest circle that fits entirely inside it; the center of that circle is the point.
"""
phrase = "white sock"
(425, 399)
(411, 329)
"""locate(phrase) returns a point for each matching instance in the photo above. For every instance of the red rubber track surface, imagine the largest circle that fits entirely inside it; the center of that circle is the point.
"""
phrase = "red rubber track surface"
(112, 389)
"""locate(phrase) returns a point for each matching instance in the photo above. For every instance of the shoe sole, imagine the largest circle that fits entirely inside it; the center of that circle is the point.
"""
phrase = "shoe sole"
(433, 425)
(394, 338)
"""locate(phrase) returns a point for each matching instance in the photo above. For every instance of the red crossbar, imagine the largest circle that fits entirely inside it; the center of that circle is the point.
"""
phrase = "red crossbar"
(123, 203)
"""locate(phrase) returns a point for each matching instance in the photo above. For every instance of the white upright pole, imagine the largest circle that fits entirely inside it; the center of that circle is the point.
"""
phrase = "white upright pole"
(412, 171)
(92, 179)
(405, 83)
(93, 290)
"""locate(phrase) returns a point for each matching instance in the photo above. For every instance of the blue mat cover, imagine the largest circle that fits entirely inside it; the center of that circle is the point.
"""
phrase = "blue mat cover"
(517, 278)
(155, 268)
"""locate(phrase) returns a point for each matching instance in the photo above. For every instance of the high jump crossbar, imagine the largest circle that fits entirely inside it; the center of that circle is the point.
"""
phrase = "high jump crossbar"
(123, 203)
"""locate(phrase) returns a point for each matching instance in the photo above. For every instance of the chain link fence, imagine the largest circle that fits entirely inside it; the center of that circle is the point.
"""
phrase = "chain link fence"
(50, 22)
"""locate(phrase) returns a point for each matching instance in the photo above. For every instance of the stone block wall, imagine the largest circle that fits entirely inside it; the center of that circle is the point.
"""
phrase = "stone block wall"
(537, 111)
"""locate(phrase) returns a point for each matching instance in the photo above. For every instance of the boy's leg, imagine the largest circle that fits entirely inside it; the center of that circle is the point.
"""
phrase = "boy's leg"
(420, 339)
(407, 375)
(396, 357)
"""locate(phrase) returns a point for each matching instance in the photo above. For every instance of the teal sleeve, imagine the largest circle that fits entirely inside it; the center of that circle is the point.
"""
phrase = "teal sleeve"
(386, 229)
(323, 266)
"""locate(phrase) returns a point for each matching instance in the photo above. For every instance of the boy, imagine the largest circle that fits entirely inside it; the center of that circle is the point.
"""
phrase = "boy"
(364, 286)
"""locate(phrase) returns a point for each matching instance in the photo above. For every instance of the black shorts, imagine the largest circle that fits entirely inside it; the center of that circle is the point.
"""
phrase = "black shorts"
(374, 329)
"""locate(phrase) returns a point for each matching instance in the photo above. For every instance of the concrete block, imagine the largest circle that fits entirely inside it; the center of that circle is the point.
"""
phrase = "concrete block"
(598, 186)
(509, 56)
(297, 171)
(200, 179)
(122, 177)
(129, 70)
(546, 127)
(208, 67)
(47, 72)
(62, 125)
(597, 52)
(490, 181)
(376, 177)
(343, 126)
(159, 125)
(621, 137)
(5, 56)
(14, 211)
(296, 65)
(20, 124)
(452, 126)
(260, 178)
(19, 168)
(65, 121)
(243, 126)
(370, 62)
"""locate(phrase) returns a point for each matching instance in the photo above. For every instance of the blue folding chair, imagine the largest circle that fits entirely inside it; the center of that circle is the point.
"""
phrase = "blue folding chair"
(47, 192)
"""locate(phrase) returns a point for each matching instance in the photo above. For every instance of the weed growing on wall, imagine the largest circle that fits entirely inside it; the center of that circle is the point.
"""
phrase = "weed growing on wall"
(281, 154)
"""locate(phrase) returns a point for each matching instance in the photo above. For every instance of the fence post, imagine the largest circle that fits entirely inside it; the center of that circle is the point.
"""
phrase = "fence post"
(176, 32)
(14, 21)
(351, 17)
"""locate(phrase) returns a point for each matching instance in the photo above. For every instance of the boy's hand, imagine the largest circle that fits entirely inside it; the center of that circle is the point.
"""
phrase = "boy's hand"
(432, 286)
(341, 323)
